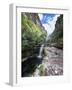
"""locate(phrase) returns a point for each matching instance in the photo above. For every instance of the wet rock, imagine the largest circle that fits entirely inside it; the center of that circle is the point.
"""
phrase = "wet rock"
(29, 65)
(52, 62)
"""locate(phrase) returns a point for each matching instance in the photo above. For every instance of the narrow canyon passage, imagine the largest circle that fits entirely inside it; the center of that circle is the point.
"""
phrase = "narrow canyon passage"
(42, 44)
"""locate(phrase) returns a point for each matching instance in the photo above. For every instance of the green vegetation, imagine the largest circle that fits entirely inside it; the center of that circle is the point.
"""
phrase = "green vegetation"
(57, 35)
(32, 36)
(41, 70)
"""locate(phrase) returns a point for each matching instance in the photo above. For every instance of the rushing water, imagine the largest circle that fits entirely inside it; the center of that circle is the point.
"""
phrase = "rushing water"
(51, 28)
(41, 50)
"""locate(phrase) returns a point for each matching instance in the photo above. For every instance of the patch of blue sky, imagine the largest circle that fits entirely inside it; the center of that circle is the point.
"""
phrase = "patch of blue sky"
(46, 17)
(48, 21)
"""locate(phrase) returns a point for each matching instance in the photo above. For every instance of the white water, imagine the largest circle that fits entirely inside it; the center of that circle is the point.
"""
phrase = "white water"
(41, 50)
(49, 28)
(42, 46)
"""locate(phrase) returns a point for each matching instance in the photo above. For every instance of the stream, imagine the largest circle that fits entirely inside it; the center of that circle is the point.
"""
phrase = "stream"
(48, 59)
(52, 62)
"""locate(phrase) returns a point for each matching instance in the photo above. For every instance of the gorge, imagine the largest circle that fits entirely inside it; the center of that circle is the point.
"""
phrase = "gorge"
(42, 54)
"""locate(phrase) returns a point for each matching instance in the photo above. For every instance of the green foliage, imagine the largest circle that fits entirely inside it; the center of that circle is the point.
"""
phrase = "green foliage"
(41, 70)
(32, 35)
(57, 35)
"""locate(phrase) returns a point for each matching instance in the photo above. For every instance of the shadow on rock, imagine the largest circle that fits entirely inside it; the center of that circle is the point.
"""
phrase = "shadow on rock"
(29, 66)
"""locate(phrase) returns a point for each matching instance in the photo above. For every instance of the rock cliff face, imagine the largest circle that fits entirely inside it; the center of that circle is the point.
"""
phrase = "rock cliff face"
(57, 35)
(34, 18)
(33, 34)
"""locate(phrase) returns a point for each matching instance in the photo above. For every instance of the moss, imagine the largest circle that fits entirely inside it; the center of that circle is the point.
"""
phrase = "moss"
(41, 70)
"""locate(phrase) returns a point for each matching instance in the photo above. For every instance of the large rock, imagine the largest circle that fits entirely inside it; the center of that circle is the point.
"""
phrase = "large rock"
(33, 34)
(57, 35)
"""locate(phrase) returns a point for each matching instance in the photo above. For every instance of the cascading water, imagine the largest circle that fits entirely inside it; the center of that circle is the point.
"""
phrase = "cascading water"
(51, 27)
(41, 50)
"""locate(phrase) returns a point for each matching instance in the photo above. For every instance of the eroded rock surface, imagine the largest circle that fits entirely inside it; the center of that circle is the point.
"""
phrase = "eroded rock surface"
(52, 62)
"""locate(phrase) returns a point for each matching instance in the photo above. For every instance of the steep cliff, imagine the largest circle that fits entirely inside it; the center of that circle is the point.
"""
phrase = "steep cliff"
(57, 35)
(33, 34)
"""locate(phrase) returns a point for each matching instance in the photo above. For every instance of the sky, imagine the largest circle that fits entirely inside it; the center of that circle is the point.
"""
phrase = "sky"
(48, 21)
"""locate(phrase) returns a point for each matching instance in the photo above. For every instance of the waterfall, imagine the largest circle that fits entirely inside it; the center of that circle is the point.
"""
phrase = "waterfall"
(42, 46)
(49, 27)
(41, 50)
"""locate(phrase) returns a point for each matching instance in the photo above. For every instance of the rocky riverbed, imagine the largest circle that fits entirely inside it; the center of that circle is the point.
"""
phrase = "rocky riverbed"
(52, 63)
